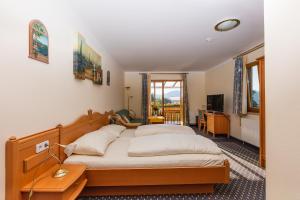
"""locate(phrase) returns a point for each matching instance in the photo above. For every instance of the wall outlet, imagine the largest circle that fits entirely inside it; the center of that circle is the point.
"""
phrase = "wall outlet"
(42, 146)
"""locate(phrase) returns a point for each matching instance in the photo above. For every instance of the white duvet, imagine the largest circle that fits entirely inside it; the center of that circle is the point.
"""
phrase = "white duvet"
(116, 157)
(154, 129)
(171, 144)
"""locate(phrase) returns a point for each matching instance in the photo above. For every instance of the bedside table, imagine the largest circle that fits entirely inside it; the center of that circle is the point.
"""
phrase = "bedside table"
(65, 188)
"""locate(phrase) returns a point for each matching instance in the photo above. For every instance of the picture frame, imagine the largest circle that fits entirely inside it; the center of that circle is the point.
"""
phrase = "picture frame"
(108, 77)
(86, 61)
(38, 41)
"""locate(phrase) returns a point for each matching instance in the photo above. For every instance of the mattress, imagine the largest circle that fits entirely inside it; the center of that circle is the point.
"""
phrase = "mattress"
(116, 156)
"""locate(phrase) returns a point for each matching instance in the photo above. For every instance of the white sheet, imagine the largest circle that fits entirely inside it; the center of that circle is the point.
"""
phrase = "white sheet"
(154, 129)
(116, 157)
(171, 144)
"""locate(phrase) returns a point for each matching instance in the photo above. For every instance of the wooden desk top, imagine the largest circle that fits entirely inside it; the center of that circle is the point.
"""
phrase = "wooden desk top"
(47, 183)
(217, 114)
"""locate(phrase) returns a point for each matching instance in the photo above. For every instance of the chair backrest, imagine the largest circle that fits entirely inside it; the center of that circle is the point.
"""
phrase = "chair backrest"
(118, 119)
(201, 114)
(123, 112)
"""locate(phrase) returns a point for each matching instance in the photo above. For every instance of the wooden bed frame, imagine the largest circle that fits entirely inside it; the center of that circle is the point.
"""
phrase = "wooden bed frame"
(141, 180)
(22, 163)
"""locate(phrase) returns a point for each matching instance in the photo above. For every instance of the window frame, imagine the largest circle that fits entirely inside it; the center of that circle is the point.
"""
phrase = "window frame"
(249, 66)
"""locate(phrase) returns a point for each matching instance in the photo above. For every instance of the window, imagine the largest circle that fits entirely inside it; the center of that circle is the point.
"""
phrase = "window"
(253, 87)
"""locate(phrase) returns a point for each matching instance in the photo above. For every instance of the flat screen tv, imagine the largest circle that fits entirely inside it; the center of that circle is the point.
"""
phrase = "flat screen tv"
(215, 103)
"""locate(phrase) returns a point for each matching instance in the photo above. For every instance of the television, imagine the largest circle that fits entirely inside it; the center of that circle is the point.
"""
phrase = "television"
(215, 103)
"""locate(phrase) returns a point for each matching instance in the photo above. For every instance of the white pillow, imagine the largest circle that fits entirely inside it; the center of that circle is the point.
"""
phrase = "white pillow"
(94, 143)
(171, 144)
(154, 129)
(114, 129)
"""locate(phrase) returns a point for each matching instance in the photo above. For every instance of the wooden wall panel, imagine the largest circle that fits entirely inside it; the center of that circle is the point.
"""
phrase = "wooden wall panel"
(22, 163)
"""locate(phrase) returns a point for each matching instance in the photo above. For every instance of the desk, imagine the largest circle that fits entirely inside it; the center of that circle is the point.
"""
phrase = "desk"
(218, 124)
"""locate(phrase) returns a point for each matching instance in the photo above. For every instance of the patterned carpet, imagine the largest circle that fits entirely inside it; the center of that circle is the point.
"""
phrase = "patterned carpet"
(247, 179)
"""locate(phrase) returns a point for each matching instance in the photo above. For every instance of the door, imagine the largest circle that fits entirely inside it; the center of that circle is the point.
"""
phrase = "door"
(166, 100)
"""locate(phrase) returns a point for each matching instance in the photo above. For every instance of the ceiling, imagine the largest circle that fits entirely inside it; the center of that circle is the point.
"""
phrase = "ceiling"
(171, 35)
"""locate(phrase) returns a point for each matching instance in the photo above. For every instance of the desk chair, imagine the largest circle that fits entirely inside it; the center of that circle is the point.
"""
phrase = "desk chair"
(202, 120)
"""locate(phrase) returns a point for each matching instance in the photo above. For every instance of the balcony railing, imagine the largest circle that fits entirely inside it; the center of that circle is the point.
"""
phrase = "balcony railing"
(172, 114)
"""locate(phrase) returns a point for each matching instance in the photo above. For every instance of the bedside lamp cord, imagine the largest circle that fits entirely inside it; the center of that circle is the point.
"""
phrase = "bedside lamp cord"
(34, 181)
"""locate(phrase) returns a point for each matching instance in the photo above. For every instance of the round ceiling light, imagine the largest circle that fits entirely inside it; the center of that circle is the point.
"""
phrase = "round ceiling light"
(227, 25)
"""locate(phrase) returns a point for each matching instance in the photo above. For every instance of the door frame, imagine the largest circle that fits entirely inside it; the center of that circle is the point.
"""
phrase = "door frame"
(163, 101)
(262, 113)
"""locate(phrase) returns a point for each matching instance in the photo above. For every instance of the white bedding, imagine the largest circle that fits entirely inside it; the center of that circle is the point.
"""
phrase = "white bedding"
(171, 144)
(154, 129)
(116, 157)
(93, 143)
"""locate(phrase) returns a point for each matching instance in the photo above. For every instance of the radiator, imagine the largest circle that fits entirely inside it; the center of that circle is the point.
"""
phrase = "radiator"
(250, 129)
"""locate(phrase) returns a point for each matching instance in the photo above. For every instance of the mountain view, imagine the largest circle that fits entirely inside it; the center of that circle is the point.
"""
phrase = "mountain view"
(171, 97)
(174, 93)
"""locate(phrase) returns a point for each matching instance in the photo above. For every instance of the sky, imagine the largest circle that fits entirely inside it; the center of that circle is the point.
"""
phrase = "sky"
(255, 83)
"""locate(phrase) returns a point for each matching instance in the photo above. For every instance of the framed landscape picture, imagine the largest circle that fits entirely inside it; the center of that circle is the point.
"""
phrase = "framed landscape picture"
(38, 41)
(86, 61)
(108, 78)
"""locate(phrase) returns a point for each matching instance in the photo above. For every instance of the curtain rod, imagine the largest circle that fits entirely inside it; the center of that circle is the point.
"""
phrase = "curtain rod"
(164, 73)
(250, 50)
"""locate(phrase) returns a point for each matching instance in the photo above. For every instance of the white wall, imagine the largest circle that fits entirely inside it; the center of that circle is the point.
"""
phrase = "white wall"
(219, 80)
(282, 99)
(197, 95)
(196, 87)
(134, 81)
(36, 96)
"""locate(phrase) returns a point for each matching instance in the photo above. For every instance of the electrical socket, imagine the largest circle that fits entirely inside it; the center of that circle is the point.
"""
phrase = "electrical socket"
(41, 146)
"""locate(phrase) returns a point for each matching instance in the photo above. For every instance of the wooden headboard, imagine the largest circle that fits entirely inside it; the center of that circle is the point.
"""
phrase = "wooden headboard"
(22, 162)
(84, 124)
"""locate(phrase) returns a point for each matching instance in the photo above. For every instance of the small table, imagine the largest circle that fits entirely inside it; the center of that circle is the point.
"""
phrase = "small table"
(67, 187)
(156, 120)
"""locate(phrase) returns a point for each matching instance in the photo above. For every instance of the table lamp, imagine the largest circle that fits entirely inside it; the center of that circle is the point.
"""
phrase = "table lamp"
(61, 172)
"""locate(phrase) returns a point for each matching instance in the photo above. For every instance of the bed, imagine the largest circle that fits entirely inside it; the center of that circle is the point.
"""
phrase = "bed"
(117, 174)
(121, 176)
(116, 156)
